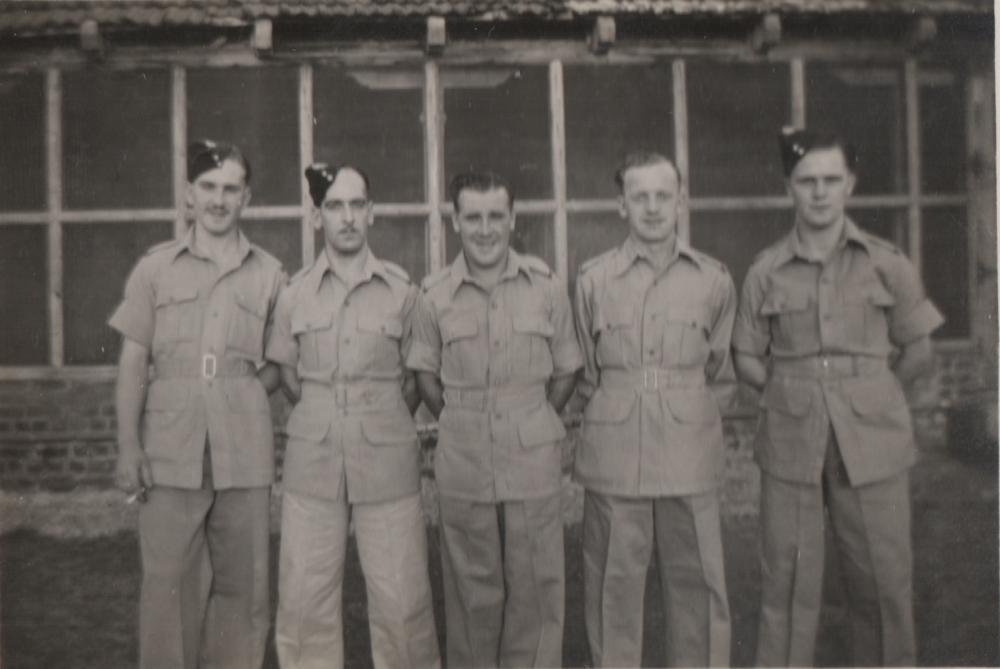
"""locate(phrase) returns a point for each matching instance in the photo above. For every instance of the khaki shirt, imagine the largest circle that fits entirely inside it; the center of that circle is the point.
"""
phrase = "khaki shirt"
(351, 435)
(829, 329)
(650, 341)
(205, 327)
(494, 352)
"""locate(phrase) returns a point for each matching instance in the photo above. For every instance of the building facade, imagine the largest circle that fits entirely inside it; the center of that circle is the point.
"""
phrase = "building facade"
(99, 99)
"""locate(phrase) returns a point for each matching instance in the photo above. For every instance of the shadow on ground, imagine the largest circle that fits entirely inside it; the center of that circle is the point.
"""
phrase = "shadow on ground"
(72, 602)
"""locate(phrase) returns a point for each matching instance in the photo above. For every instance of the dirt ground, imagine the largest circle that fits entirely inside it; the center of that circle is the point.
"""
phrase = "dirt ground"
(71, 602)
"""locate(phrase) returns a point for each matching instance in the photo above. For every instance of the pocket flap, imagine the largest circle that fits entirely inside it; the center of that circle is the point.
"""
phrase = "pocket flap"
(879, 296)
(694, 317)
(609, 407)
(688, 407)
(789, 400)
(458, 327)
(388, 326)
(533, 324)
(392, 430)
(870, 397)
(540, 426)
(308, 425)
(167, 395)
(254, 305)
(304, 321)
(176, 294)
(781, 302)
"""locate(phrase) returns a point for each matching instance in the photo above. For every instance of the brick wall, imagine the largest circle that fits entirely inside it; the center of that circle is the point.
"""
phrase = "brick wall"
(59, 434)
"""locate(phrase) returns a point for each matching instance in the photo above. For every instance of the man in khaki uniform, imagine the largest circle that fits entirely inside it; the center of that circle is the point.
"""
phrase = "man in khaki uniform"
(341, 333)
(654, 318)
(495, 355)
(195, 442)
(830, 322)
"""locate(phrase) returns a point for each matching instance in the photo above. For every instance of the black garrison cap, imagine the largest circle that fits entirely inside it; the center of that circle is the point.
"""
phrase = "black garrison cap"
(795, 143)
(205, 154)
(322, 175)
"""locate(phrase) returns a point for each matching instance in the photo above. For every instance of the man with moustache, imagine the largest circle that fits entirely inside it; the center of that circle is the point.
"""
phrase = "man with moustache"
(831, 321)
(495, 356)
(341, 333)
(654, 318)
(195, 441)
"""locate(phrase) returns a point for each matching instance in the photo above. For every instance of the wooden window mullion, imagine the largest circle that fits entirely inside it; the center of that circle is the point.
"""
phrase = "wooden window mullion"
(54, 197)
(915, 221)
(306, 158)
(178, 132)
(557, 117)
(681, 147)
(434, 163)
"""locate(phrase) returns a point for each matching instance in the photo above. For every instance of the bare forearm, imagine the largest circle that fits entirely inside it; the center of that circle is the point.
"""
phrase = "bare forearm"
(431, 392)
(915, 359)
(560, 389)
(130, 392)
(410, 395)
(750, 369)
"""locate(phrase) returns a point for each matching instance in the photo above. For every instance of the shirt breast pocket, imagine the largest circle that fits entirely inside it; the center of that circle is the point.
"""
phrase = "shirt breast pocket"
(177, 317)
(317, 341)
(792, 318)
(529, 350)
(379, 342)
(245, 334)
(613, 330)
(685, 336)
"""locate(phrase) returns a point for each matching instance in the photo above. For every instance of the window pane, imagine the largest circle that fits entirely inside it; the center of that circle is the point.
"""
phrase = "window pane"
(611, 110)
(22, 136)
(398, 240)
(365, 120)
(591, 235)
(533, 234)
(735, 112)
(889, 224)
(24, 336)
(735, 238)
(116, 139)
(863, 103)
(97, 259)
(257, 110)
(499, 120)
(942, 132)
(946, 267)
(282, 239)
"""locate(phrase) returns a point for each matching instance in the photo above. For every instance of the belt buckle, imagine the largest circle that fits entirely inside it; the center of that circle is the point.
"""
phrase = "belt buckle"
(647, 373)
(208, 366)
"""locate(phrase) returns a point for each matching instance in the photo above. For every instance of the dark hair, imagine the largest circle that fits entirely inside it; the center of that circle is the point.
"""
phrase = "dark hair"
(204, 155)
(479, 182)
(322, 175)
(796, 143)
(641, 158)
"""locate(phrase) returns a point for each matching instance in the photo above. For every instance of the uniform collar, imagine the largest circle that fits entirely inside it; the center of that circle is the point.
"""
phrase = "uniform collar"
(321, 267)
(243, 245)
(792, 248)
(460, 270)
(631, 251)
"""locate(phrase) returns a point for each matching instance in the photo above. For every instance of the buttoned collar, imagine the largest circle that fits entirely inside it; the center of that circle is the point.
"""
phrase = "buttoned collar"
(243, 245)
(631, 251)
(792, 248)
(321, 267)
(460, 270)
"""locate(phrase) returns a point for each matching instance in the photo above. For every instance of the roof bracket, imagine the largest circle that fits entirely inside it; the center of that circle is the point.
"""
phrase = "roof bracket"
(922, 31)
(437, 35)
(263, 37)
(91, 40)
(602, 38)
(766, 34)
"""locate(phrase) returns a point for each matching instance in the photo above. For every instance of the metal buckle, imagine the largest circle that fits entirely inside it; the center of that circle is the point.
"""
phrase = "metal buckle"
(647, 373)
(208, 366)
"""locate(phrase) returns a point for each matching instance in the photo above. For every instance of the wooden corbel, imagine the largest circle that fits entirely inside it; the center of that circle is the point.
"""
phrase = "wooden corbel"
(602, 37)
(766, 34)
(437, 35)
(263, 37)
(91, 40)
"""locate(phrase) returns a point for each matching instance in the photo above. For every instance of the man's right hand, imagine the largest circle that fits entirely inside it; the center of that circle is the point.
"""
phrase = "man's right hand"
(132, 472)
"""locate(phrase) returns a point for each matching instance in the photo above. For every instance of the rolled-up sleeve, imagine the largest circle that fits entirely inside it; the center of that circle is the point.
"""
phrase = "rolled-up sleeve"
(751, 331)
(425, 342)
(913, 315)
(282, 347)
(135, 317)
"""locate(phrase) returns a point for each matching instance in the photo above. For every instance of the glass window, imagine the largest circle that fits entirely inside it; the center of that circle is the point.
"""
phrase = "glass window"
(257, 110)
(282, 239)
(499, 120)
(22, 136)
(373, 119)
(946, 267)
(889, 224)
(116, 139)
(865, 105)
(533, 234)
(611, 110)
(735, 112)
(97, 259)
(942, 132)
(401, 240)
(24, 336)
(736, 237)
(590, 235)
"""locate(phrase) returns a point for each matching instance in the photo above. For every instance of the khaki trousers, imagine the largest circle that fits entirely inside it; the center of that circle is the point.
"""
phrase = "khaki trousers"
(504, 582)
(618, 539)
(392, 545)
(205, 598)
(871, 524)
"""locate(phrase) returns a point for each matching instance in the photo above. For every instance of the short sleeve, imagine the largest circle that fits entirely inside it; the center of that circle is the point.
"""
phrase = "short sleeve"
(281, 346)
(565, 350)
(135, 317)
(425, 341)
(913, 315)
(751, 331)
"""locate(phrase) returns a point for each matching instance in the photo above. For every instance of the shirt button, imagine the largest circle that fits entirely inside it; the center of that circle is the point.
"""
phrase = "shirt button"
(347, 302)
(497, 416)
(215, 314)
(496, 344)
(495, 306)
(826, 317)
(347, 340)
